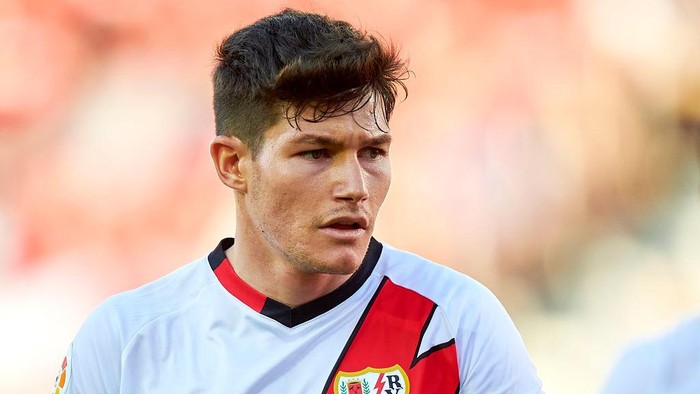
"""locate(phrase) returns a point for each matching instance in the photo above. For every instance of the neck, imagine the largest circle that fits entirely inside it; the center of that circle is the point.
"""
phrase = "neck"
(270, 273)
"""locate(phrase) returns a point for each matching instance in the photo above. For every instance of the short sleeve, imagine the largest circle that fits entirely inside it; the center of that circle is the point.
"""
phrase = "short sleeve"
(93, 362)
(495, 359)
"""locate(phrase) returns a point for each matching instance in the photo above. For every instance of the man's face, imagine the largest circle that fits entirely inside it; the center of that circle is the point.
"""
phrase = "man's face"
(314, 191)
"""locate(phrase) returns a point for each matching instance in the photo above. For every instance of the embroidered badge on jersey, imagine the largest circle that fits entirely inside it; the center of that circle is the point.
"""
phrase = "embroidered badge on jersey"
(64, 373)
(371, 380)
(389, 351)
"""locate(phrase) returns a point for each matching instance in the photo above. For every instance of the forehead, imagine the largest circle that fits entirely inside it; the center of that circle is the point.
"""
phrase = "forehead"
(365, 123)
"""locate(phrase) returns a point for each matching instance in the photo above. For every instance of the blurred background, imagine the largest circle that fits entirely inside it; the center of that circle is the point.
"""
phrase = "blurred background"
(545, 149)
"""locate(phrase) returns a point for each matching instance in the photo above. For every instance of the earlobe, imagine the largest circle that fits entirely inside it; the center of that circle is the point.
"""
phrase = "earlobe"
(230, 155)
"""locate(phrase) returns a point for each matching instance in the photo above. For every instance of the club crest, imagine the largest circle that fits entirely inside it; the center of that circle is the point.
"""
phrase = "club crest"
(392, 380)
(63, 376)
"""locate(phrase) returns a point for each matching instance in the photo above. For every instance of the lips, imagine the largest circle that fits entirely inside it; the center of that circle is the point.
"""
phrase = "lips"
(345, 226)
(346, 223)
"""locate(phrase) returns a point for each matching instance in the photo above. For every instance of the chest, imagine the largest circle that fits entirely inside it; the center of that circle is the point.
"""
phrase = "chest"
(391, 344)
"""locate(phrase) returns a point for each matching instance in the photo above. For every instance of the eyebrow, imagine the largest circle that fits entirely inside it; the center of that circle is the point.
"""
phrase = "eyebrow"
(325, 140)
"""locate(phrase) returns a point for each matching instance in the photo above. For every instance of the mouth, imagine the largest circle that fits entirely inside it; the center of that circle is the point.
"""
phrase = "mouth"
(345, 226)
(347, 223)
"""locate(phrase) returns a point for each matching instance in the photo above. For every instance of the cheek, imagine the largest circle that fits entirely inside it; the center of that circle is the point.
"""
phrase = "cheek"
(388, 176)
(285, 196)
(380, 182)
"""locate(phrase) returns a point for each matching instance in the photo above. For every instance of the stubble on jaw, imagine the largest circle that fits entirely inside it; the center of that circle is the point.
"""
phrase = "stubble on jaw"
(307, 265)
(301, 260)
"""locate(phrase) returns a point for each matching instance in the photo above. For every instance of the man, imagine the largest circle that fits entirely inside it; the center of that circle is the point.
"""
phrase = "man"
(304, 300)
(669, 362)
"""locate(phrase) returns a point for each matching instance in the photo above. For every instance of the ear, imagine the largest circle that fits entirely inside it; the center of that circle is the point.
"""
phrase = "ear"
(231, 158)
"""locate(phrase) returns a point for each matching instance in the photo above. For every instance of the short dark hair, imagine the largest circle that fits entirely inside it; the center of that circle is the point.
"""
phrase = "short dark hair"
(287, 63)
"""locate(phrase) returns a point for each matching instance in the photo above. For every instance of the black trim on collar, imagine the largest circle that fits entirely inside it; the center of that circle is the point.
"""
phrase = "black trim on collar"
(291, 317)
(218, 255)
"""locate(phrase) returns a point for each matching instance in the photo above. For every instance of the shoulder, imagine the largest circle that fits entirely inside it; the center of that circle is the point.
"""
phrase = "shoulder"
(469, 305)
(126, 313)
(663, 363)
(135, 308)
(490, 351)
(673, 345)
(443, 285)
(97, 348)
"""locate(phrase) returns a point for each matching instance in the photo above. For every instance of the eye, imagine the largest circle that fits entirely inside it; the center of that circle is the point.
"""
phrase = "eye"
(373, 153)
(314, 154)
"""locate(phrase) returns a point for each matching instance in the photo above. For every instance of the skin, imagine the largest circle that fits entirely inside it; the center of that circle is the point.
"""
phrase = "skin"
(290, 198)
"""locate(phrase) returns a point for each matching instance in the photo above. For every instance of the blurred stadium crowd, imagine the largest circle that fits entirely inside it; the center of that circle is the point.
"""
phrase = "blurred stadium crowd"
(539, 151)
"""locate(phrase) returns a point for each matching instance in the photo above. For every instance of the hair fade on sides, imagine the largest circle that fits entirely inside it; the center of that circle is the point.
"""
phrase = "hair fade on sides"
(301, 66)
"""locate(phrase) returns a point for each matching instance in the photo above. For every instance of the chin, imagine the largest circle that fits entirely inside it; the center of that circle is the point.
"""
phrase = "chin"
(334, 259)
(345, 265)
(334, 267)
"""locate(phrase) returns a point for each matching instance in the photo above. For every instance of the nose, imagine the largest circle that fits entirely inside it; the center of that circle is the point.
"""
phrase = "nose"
(351, 182)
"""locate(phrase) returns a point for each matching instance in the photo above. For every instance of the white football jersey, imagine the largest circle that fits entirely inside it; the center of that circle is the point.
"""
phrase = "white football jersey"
(400, 324)
(669, 364)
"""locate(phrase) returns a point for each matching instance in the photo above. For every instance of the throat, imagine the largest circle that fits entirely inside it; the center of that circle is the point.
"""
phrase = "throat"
(294, 290)
(281, 281)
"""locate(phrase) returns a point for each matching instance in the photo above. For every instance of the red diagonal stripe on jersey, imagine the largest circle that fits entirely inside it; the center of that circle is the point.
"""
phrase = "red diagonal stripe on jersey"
(389, 333)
